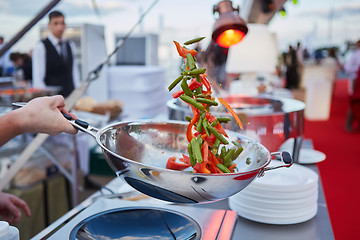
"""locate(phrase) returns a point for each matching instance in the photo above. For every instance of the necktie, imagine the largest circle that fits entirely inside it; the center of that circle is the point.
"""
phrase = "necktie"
(62, 52)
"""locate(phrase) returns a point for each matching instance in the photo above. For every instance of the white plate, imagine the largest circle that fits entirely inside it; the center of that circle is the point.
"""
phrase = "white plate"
(272, 196)
(271, 219)
(274, 204)
(276, 213)
(309, 156)
(275, 220)
(296, 178)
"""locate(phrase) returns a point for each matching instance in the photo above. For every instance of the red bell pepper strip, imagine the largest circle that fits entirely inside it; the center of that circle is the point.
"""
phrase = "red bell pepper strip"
(211, 140)
(223, 102)
(185, 159)
(177, 94)
(205, 152)
(196, 113)
(189, 134)
(205, 82)
(183, 51)
(171, 164)
(221, 130)
(201, 168)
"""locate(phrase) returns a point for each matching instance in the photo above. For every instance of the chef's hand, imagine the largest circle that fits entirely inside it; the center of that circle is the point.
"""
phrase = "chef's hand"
(43, 115)
(10, 208)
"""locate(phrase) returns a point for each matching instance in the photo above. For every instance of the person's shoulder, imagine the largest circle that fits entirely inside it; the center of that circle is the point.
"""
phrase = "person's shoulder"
(39, 46)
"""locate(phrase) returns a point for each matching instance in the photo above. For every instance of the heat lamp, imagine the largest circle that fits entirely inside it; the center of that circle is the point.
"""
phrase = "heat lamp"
(229, 28)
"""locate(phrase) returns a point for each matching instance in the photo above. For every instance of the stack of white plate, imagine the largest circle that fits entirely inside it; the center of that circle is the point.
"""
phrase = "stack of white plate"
(281, 196)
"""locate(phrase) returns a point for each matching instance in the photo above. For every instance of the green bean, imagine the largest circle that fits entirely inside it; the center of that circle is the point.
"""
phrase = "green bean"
(198, 39)
(196, 149)
(214, 123)
(185, 88)
(175, 82)
(195, 72)
(192, 101)
(236, 143)
(217, 143)
(222, 152)
(223, 168)
(198, 78)
(223, 119)
(188, 118)
(191, 155)
(205, 124)
(190, 61)
(201, 95)
(227, 159)
(237, 153)
(198, 90)
(199, 126)
(218, 135)
(207, 101)
(248, 161)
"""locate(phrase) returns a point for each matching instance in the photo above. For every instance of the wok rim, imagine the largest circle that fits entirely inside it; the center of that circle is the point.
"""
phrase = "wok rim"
(110, 126)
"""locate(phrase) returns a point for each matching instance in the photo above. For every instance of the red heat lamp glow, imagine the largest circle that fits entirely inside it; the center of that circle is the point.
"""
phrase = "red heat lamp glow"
(229, 28)
(229, 38)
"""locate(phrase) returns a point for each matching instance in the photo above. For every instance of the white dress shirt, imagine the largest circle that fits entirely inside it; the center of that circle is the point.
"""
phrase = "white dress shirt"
(352, 65)
(39, 62)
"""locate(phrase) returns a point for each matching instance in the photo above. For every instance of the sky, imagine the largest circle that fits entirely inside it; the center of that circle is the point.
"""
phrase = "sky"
(309, 21)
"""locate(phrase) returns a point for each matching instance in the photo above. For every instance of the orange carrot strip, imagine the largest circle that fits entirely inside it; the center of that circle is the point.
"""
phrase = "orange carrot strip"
(223, 102)
(231, 168)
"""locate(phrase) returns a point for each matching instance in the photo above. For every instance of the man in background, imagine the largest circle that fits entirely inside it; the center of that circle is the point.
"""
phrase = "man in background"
(5, 63)
(22, 63)
(54, 60)
(352, 67)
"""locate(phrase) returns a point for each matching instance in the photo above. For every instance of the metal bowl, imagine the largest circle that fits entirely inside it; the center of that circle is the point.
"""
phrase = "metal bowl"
(138, 151)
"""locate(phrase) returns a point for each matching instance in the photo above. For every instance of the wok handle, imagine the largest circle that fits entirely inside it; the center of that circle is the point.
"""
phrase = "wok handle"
(81, 125)
(285, 158)
(77, 123)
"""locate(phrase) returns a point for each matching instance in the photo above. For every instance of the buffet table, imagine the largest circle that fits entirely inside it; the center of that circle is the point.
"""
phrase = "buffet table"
(318, 228)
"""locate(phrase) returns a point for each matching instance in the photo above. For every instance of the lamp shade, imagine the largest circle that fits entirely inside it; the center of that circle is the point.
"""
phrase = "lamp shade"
(229, 28)
(256, 53)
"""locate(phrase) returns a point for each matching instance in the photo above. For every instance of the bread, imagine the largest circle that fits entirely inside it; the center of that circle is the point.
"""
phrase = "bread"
(87, 104)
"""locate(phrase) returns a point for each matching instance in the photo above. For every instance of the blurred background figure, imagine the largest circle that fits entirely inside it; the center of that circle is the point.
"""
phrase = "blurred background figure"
(300, 60)
(53, 59)
(23, 67)
(292, 77)
(332, 60)
(318, 56)
(214, 60)
(352, 67)
(5, 63)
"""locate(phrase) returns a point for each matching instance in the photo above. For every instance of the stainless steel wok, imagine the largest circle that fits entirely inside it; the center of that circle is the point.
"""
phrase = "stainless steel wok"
(137, 152)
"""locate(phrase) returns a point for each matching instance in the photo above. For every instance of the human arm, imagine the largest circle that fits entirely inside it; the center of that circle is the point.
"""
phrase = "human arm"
(75, 73)
(10, 208)
(38, 66)
(42, 115)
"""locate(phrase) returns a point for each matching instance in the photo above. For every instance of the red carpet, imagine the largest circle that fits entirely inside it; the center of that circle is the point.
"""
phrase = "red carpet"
(340, 171)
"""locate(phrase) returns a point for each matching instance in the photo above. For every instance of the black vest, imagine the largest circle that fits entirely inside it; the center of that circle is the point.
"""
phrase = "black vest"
(59, 72)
